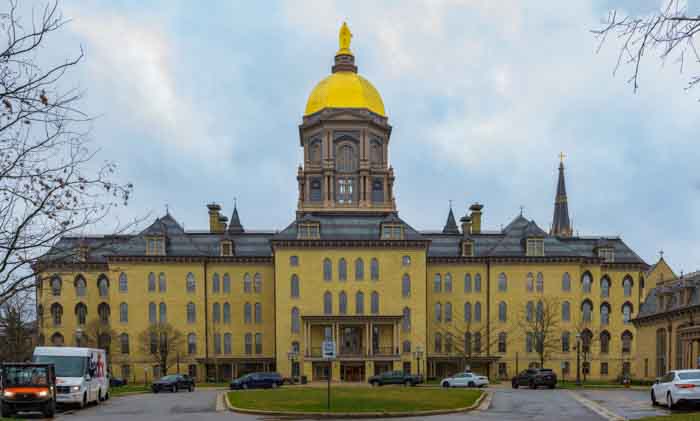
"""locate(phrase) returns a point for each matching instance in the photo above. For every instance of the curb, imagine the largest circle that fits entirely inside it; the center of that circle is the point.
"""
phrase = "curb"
(471, 407)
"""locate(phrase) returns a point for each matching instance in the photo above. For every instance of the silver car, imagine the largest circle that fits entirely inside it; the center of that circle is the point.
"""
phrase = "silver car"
(677, 386)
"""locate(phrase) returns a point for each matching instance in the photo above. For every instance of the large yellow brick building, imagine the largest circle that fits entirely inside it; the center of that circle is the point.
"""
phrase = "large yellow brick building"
(348, 268)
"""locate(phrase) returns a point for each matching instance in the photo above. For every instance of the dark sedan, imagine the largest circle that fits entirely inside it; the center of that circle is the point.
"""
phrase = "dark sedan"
(534, 377)
(257, 381)
(173, 383)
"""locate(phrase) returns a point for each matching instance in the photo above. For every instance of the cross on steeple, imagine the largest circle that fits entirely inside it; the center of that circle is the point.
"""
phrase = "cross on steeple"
(167, 210)
(450, 203)
(561, 157)
(661, 253)
(521, 210)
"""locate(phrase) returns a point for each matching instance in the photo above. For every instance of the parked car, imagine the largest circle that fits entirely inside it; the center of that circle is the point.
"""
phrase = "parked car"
(257, 381)
(173, 383)
(534, 377)
(28, 387)
(676, 387)
(395, 377)
(466, 379)
(116, 382)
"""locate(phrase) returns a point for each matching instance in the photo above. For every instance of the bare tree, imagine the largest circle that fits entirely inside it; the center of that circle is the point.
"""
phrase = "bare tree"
(17, 329)
(540, 323)
(99, 334)
(670, 32)
(50, 184)
(163, 344)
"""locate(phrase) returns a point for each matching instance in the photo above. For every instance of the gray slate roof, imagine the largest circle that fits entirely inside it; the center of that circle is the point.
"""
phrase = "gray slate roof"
(349, 227)
(650, 306)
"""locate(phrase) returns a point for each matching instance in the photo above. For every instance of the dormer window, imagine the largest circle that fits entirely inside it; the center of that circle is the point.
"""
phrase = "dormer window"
(535, 247)
(226, 248)
(308, 231)
(155, 246)
(607, 254)
(467, 248)
(83, 253)
(392, 231)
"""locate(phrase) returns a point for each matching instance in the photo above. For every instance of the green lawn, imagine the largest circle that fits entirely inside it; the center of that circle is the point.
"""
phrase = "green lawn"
(116, 391)
(691, 416)
(354, 399)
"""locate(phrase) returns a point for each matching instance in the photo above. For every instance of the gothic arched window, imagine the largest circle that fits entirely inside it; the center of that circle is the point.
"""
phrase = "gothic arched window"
(605, 287)
(626, 312)
(343, 303)
(215, 283)
(123, 282)
(327, 269)
(163, 283)
(80, 286)
(540, 282)
(374, 268)
(227, 312)
(103, 286)
(327, 303)
(81, 313)
(406, 322)
(448, 282)
(587, 309)
(296, 323)
(604, 342)
(604, 314)
(151, 282)
(227, 283)
(359, 270)
(627, 286)
(586, 282)
(123, 312)
(360, 303)
(502, 311)
(342, 270)
(530, 282)
(191, 313)
(294, 287)
(406, 285)
(103, 312)
(374, 303)
(566, 282)
(467, 283)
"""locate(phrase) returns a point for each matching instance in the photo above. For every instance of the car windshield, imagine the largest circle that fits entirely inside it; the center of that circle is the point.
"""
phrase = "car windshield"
(65, 366)
(545, 370)
(170, 378)
(694, 375)
(26, 376)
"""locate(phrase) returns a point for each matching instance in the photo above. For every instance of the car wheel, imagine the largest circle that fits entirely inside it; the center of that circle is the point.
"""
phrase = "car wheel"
(245, 386)
(653, 399)
(99, 395)
(514, 384)
(552, 386)
(155, 390)
(408, 383)
(532, 385)
(191, 388)
(669, 401)
(375, 384)
(471, 384)
(445, 384)
(174, 389)
(50, 409)
(83, 404)
(274, 385)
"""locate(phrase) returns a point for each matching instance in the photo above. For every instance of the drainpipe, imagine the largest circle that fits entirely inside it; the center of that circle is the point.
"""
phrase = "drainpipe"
(206, 323)
(488, 316)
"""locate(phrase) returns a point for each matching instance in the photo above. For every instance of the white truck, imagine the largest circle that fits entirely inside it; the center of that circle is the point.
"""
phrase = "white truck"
(81, 373)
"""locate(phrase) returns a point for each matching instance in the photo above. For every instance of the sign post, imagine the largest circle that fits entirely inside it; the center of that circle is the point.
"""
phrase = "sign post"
(329, 355)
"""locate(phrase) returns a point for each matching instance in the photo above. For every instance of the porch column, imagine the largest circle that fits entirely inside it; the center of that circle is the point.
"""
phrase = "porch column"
(397, 345)
(307, 338)
(371, 333)
(368, 339)
(336, 328)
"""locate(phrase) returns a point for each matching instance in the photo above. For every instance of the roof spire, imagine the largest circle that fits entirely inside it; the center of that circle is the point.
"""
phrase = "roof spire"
(561, 224)
(235, 226)
(450, 224)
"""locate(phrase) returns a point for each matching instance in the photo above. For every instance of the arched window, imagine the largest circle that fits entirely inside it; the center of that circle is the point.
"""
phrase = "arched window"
(56, 286)
(502, 311)
(294, 287)
(151, 282)
(258, 313)
(327, 269)
(539, 311)
(152, 313)
(103, 312)
(360, 303)
(103, 286)
(586, 282)
(258, 343)
(227, 283)
(530, 282)
(477, 282)
(247, 283)
(587, 309)
(566, 282)
(661, 355)
(448, 311)
(315, 151)
(359, 270)
(586, 339)
(565, 311)
(374, 269)
(437, 283)
(343, 303)
(249, 343)
(375, 154)
(124, 343)
(374, 303)
(217, 343)
(477, 312)
(627, 342)
(540, 282)
(438, 312)
(438, 342)
(247, 313)
(604, 342)
(448, 282)
(406, 285)
(627, 286)
(342, 270)
(467, 283)
(191, 313)
(257, 283)
(57, 339)
(502, 282)
(227, 312)
(123, 282)
(215, 283)
(468, 343)
(191, 344)
(216, 313)
(406, 347)
(448, 343)
(296, 322)
(529, 311)
(467, 311)
(346, 159)
(604, 314)
(406, 322)
(626, 312)
(502, 340)
(80, 339)
(605, 287)
(565, 338)
(191, 285)
(327, 303)
(80, 313)
(477, 342)
(163, 283)
(123, 312)
(80, 286)
(163, 312)
(227, 343)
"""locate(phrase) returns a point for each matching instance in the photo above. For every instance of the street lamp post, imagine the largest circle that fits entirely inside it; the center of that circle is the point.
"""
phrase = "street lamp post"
(578, 359)
(292, 355)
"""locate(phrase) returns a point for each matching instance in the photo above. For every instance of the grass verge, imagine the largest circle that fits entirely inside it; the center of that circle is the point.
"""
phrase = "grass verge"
(690, 416)
(121, 390)
(354, 399)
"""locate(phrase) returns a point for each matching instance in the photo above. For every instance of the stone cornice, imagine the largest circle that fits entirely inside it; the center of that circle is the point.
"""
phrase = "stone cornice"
(527, 259)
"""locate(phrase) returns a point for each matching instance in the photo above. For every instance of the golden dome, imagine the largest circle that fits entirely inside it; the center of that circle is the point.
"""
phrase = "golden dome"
(345, 89)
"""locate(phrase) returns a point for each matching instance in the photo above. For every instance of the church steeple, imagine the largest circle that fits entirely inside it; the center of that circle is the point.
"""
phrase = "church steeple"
(561, 224)
(235, 226)
(451, 224)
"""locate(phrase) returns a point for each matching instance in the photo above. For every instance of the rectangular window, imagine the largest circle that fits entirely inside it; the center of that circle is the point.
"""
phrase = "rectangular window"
(535, 247)
(345, 190)
(126, 372)
(392, 231)
(226, 248)
(502, 370)
(308, 231)
(603, 369)
(258, 343)
(316, 192)
(378, 190)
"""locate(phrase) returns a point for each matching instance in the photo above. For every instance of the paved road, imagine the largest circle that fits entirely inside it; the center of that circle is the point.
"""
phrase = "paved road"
(629, 404)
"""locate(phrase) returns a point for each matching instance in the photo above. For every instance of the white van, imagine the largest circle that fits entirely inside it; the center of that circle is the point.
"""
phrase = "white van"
(81, 373)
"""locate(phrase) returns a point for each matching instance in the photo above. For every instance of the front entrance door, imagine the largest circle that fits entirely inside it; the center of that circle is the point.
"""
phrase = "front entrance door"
(352, 373)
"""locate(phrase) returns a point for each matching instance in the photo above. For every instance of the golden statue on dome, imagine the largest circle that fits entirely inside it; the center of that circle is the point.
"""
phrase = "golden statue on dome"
(344, 37)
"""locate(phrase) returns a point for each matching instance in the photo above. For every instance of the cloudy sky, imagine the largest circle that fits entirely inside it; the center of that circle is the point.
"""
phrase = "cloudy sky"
(201, 103)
